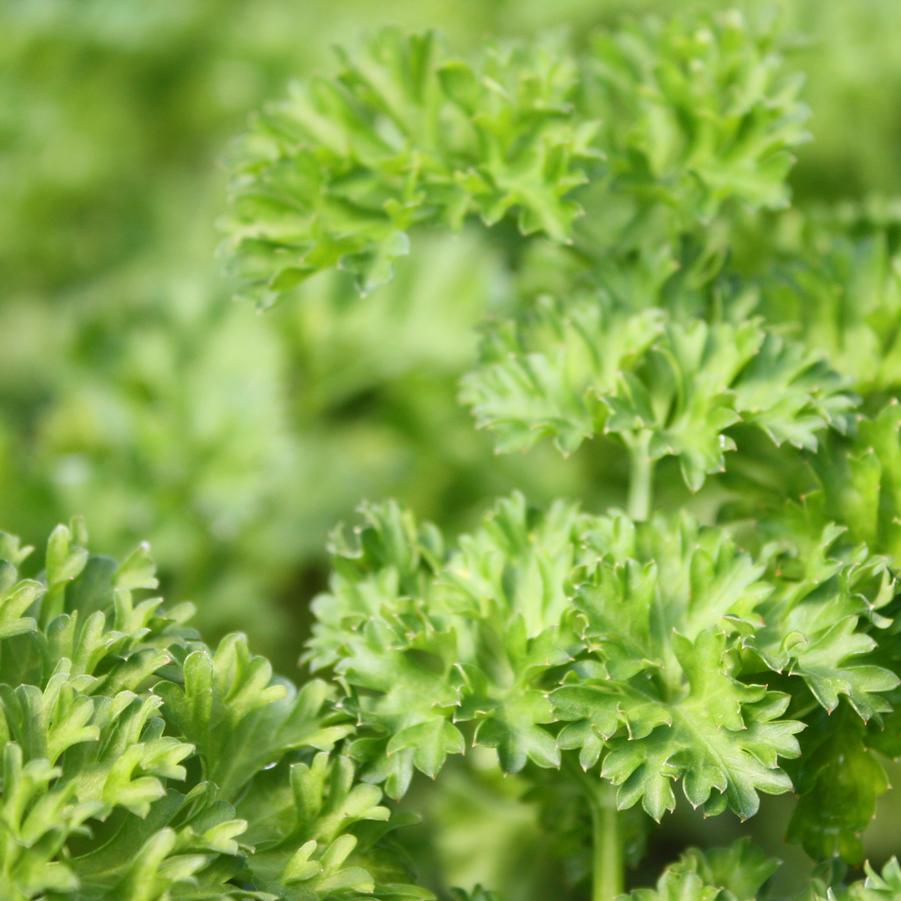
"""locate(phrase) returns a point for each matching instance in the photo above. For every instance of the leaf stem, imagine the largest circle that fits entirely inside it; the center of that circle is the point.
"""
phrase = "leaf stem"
(607, 854)
(641, 477)
(607, 861)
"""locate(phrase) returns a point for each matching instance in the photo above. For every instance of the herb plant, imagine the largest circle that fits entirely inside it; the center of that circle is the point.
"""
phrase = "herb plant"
(167, 413)
(726, 629)
(139, 763)
(721, 626)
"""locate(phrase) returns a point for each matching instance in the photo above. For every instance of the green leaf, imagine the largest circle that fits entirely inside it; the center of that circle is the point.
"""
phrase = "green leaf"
(404, 135)
(860, 479)
(841, 294)
(665, 607)
(548, 377)
(115, 721)
(839, 780)
(310, 848)
(562, 631)
(880, 886)
(823, 622)
(696, 112)
(572, 372)
(687, 116)
(239, 718)
(741, 872)
(468, 638)
(735, 873)
(723, 740)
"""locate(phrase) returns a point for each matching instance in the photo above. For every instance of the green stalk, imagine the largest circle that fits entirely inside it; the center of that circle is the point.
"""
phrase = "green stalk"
(607, 861)
(641, 478)
(607, 855)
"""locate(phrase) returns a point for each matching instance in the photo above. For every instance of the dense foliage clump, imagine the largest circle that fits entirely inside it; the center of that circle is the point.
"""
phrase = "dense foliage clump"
(747, 649)
(140, 763)
(681, 605)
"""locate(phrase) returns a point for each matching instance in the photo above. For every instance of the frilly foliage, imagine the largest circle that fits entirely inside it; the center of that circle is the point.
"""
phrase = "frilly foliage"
(697, 114)
(643, 648)
(840, 288)
(570, 371)
(632, 654)
(405, 134)
(742, 873)
(656, 127)
(138, 763)
(860, 481)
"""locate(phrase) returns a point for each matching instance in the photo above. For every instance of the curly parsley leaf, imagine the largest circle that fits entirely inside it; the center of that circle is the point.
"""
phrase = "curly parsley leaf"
(405, 135)
(642, 647)
(574, 371)
(130, 750)
(666, 122)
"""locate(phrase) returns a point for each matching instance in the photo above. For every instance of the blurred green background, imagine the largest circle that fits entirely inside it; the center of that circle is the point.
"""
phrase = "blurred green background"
(134, 390)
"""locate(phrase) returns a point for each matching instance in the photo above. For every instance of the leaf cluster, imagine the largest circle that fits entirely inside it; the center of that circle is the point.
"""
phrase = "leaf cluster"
(671, 385)
(138, 763)
(667, 121)
(645, 649)
(741, 873)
